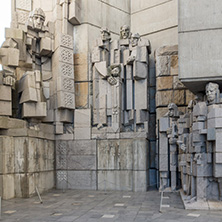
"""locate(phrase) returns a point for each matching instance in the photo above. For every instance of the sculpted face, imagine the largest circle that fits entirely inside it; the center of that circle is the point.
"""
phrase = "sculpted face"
(211, 92)
(38, 22)
(105, 35)
(125, 32)
(172, 110)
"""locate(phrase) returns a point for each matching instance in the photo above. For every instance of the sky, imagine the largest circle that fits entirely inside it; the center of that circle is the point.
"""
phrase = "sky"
(5, 18)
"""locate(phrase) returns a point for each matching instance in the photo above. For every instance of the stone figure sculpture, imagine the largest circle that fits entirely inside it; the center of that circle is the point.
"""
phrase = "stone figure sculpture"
(120, 73)
(42, 63)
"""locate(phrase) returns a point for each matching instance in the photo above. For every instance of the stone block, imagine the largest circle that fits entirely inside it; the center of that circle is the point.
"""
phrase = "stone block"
(114, 155)
(82, 118)
(74, 13)
(211, 134)
(164, 82)
(200, 109)
(141, 101)
(65, 100)
(163, 98)
(83, 180)
(64, 115)
(81, 162)
(5, 93)
(29, 95)
(164, 124)
(59, 128)
(141, 116)
(7, 186)
(7, 155)
(82, 147)
(115, 180)
(34, 110)
(6, 108)
(45, 46)
(162, 66)
(169, 50)
(218, 144)
(140, 179)
(17, 34)
(9, 56)
(174, 69)
(140, 70)
(82, 133)
(140, 148)
(27, 80)
(81, 94)
(217, 158)
(213, 113)
(163, 144)
(217, 170)
(163, 162)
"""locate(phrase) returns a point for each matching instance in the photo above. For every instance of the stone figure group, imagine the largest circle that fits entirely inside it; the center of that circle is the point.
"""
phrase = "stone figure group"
(192, 160)
(120, 74)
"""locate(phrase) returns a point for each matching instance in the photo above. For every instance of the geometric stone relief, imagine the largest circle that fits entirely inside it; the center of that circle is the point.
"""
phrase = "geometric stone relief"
(65, 84)
(66, 55)
(66, 100)
(66, 70)
(61, 148)
(24, 4)
(61, 176)
(66, 41)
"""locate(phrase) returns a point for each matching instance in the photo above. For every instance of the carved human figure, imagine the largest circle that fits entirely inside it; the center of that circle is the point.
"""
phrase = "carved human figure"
(212, 93)
(32, 49)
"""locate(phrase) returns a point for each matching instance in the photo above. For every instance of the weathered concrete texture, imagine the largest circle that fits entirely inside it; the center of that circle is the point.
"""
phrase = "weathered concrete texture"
(122, 164)
(144, 13)
(197, 30)
(26, 163)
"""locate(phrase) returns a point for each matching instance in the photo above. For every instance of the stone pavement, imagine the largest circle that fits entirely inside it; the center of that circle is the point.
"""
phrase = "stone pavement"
(95, 206)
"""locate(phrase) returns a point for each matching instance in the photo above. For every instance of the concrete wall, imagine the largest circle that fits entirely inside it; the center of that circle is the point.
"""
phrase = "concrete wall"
(27, 158)
(199, 43)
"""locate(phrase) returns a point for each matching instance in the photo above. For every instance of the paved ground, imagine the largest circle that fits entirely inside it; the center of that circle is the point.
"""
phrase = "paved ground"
(96, 206)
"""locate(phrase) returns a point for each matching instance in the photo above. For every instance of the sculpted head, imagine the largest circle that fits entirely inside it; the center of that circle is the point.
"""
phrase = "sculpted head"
(105, 34)
(173, 110)
(212, 92)
(38, 18)
(135, 39)
(125, 32)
